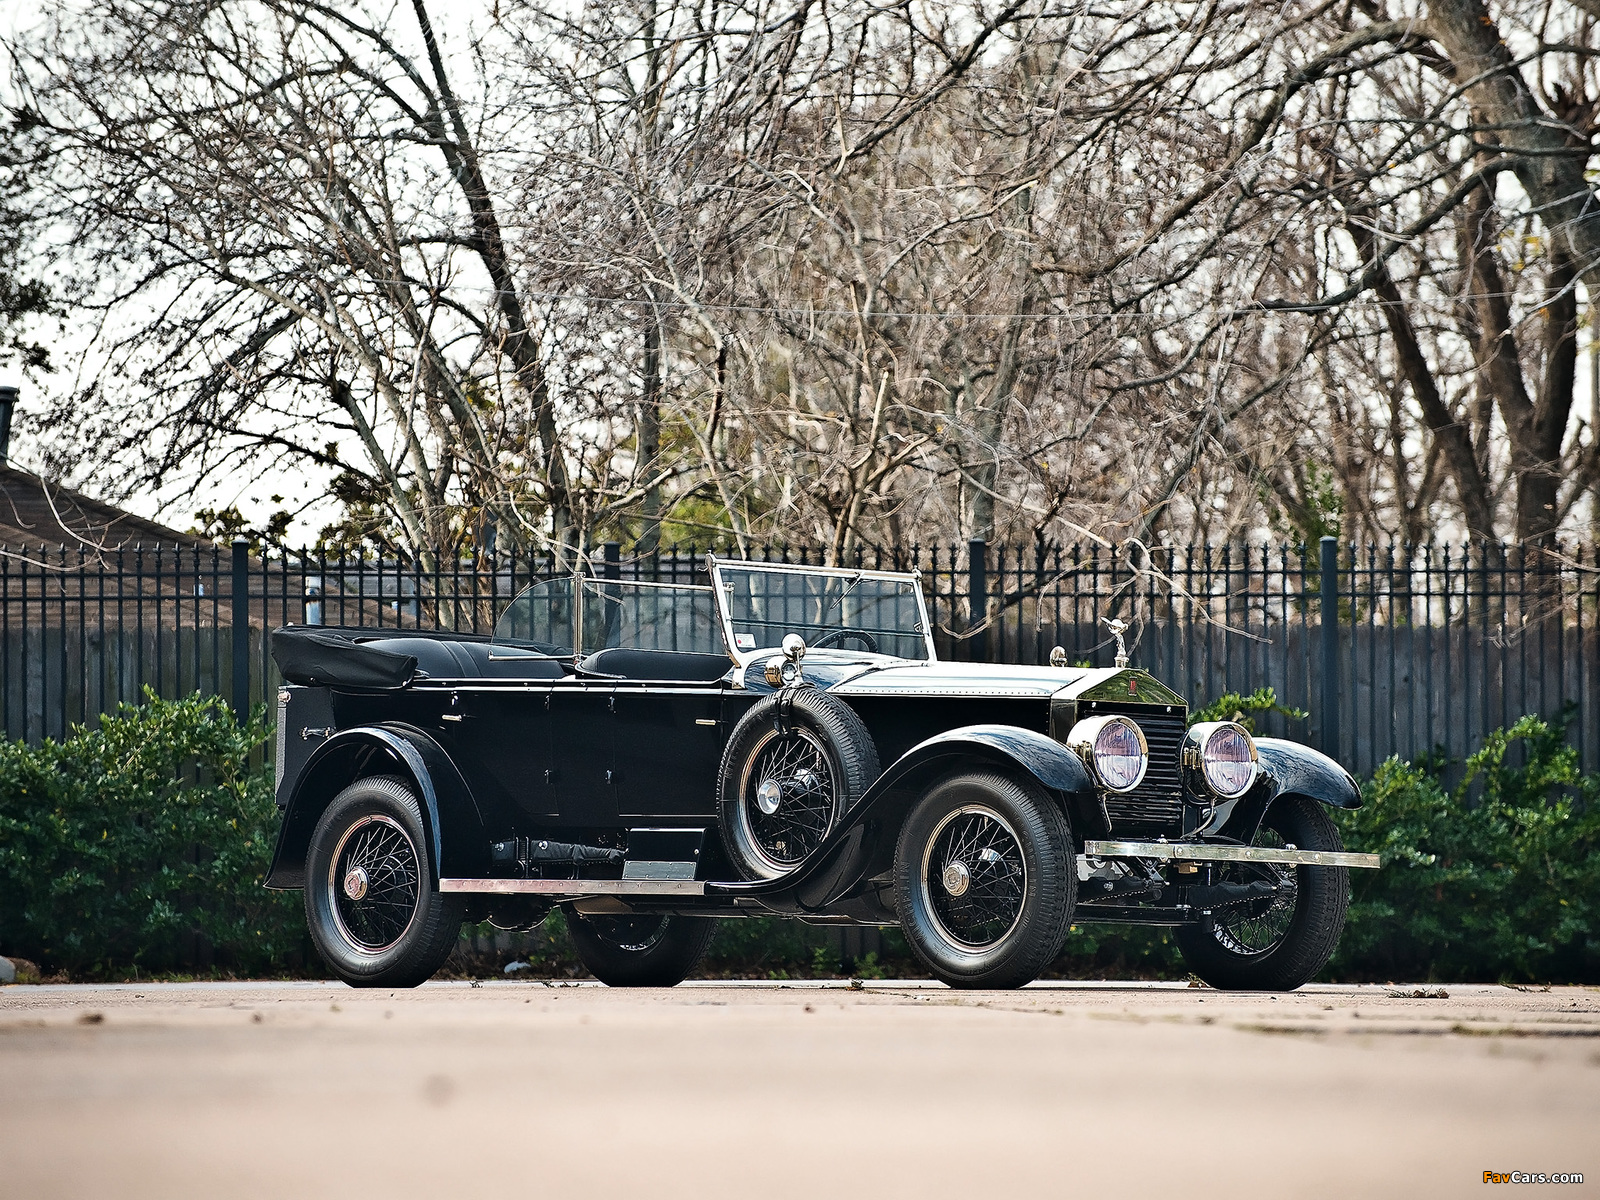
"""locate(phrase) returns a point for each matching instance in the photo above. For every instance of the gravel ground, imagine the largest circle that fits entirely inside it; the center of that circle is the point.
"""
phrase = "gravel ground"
(290, 1090)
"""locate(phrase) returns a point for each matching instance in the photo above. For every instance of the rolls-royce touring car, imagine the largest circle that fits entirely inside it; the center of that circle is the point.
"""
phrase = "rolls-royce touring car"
(655, 757)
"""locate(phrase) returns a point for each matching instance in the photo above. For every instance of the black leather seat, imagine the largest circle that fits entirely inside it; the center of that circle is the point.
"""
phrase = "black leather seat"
(621, 662)
(446, 659)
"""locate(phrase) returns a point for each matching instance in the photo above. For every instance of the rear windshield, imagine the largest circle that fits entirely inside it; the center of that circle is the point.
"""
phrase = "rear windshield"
(539, 622)
(542, 620)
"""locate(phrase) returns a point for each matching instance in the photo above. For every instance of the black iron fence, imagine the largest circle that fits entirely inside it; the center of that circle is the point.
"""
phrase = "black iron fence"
(1431, 647)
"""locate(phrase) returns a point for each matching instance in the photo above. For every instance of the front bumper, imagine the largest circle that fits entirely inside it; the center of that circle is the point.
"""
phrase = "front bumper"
(1194, 852)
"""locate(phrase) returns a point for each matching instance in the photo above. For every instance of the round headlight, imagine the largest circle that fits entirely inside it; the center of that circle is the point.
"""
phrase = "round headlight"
(1114, 749)
(1226, 757)
(780, 671)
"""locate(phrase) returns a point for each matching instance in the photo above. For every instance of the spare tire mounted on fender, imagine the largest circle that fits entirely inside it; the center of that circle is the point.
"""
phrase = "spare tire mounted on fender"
(795, 764)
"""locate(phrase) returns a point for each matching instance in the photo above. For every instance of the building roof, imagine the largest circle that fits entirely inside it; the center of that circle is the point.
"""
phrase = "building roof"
(35, 512)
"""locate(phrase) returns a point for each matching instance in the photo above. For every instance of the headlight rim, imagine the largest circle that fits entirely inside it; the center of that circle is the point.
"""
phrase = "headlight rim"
(1081, 741)
(1197, 740)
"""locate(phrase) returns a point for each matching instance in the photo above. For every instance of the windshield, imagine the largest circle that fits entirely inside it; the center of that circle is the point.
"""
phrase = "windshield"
(863, 610)
(640, 616)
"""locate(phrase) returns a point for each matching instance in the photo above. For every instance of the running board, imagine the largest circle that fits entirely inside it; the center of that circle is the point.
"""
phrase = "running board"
(1196, 852)
(577, 887)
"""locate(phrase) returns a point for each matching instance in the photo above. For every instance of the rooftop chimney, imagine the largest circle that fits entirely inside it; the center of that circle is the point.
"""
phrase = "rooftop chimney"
(8, 402)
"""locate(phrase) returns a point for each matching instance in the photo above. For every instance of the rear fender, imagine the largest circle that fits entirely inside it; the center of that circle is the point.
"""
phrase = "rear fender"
(452, 826)
(1289, 769)
(862, 845)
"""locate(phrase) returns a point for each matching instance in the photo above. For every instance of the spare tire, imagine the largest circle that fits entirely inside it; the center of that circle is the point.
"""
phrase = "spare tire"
(795, 764)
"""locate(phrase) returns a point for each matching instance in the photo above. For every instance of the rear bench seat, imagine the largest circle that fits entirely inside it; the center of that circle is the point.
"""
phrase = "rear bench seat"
(467, 660)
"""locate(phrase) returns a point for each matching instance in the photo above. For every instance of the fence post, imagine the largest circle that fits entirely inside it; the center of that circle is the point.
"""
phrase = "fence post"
(613, 560)
(977, 598)
(241, 628)
(1330, 646)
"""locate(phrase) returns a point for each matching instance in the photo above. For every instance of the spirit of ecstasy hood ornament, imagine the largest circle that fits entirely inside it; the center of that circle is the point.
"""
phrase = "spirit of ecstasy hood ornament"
(1118, 628)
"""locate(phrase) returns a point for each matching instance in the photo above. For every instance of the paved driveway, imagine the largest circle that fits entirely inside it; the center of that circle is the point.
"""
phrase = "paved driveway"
(289, 1090)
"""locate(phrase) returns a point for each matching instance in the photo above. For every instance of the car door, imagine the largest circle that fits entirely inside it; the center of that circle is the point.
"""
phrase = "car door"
(666, 748)
(509, 732)
(581, 748)
(502, 737)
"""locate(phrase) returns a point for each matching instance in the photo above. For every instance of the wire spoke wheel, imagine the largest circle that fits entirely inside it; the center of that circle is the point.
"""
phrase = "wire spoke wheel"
(1278, 940)
(975, 877)
(632, 934)
(642, 950)
(984, 884)
(1252, 927)
(372, 909)
(375, 881)
(795, 763)
(789, 797)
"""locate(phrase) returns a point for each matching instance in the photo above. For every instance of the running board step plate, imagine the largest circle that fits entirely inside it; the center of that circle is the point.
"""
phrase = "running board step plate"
(1191, 852)
(577, 887)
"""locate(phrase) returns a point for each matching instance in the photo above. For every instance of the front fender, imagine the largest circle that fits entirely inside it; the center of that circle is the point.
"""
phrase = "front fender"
(1046, 759)
(452, 826)
(1301, 771)
(1290, 769)
(862, 845)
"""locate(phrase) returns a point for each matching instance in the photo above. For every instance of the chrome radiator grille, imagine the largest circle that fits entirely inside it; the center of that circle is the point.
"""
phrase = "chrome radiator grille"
(1156, 805)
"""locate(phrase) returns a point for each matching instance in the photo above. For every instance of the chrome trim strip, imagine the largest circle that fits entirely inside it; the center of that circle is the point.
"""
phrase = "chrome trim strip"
(577, 887)
(1191, 852)
(1023, 691)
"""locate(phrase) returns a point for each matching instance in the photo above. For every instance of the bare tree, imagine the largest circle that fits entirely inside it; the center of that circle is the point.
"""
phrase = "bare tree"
(849, 275)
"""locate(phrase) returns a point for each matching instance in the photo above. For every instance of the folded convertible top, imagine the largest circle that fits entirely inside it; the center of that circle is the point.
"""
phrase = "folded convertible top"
(324, 658)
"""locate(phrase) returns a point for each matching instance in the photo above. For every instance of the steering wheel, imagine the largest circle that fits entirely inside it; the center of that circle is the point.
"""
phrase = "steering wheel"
(868, 642)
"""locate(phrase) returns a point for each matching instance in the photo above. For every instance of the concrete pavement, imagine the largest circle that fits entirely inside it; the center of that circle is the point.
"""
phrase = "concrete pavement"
(792, 1090)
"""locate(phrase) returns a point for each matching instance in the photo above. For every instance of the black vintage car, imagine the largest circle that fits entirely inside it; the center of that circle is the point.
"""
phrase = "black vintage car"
(654, 757)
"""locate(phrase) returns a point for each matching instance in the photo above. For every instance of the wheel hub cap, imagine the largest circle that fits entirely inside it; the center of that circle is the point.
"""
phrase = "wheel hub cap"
(355, 883)
(956, 878)
(768, 796)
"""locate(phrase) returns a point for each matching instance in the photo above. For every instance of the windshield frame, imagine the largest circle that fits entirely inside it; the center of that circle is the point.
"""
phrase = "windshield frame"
(745, 657)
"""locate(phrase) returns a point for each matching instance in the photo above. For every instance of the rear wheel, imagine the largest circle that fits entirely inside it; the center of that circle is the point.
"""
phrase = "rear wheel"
(1277, 943)
(640, 951)
(374, 913)
(984, 881)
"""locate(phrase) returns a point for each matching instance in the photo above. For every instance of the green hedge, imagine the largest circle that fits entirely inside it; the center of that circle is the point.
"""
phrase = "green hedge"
(1497, 879)
(126, 848)
(138, 845)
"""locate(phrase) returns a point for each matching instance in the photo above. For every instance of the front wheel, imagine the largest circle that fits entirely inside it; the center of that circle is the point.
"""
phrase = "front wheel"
(985, 881)
(640, 951)
(374, 913)
(1275, 944)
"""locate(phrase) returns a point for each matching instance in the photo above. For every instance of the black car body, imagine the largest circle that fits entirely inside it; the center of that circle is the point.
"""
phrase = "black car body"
(653, 756)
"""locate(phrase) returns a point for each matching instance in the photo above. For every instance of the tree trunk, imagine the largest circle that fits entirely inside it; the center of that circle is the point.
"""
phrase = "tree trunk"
(1453, 437)
(1545, 153)
(650, 436)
